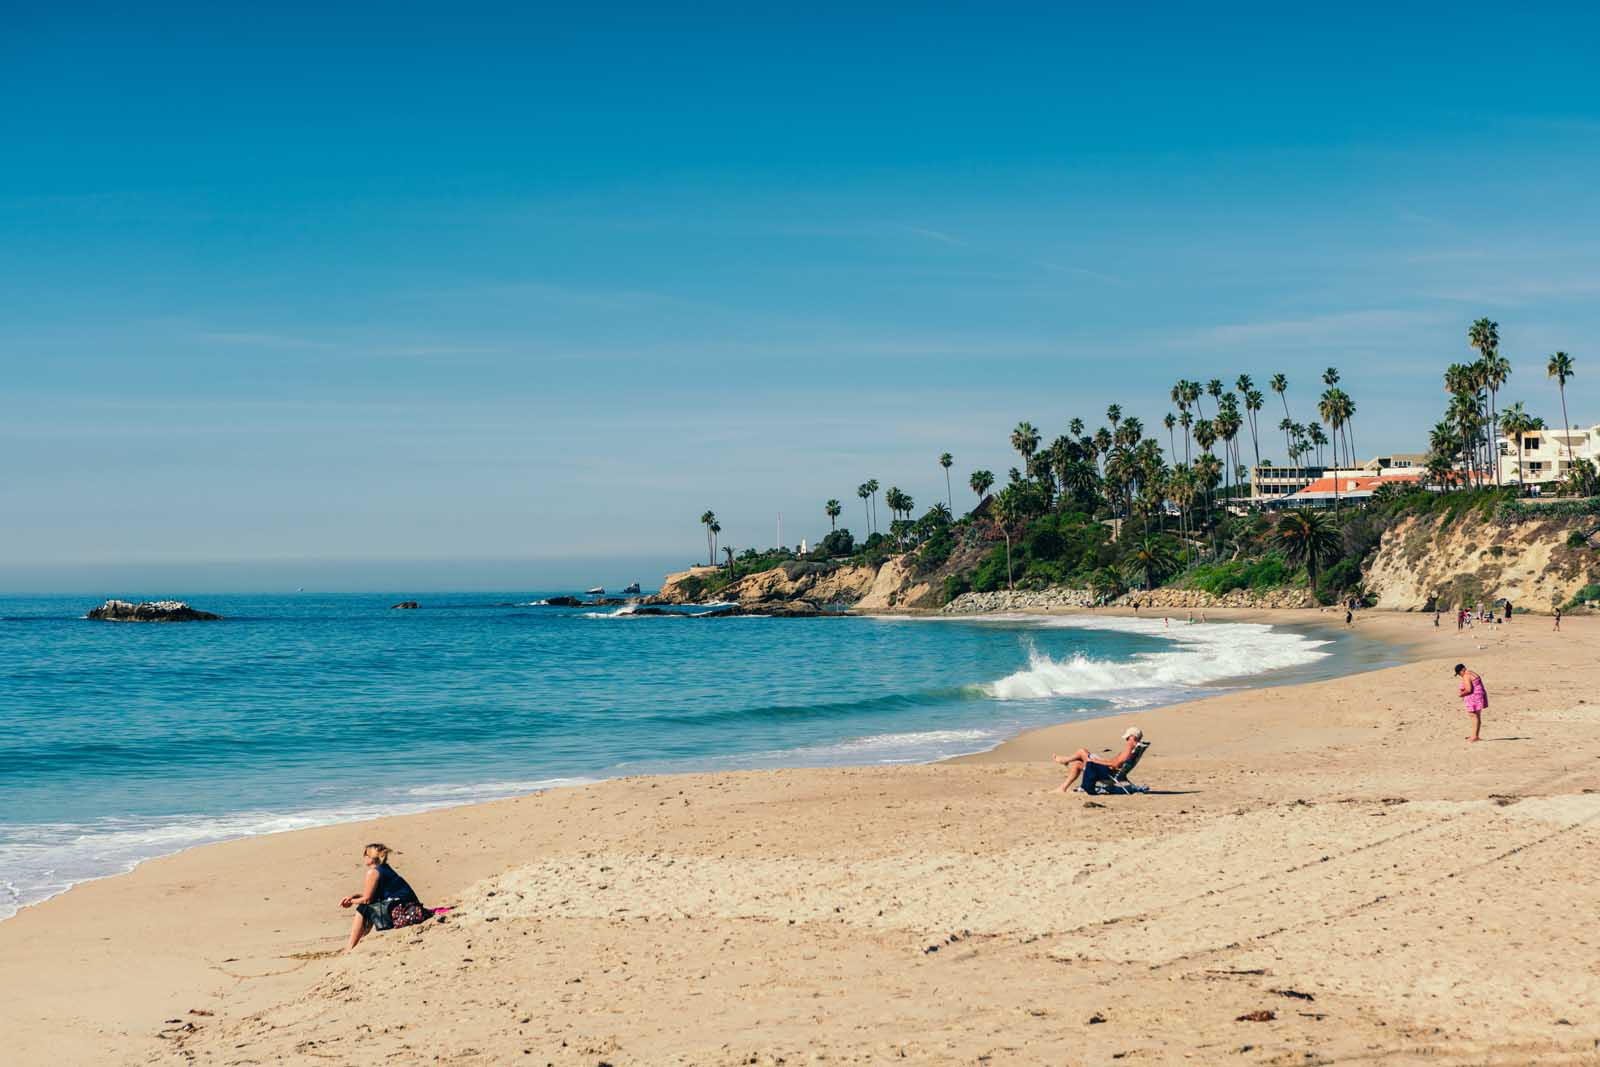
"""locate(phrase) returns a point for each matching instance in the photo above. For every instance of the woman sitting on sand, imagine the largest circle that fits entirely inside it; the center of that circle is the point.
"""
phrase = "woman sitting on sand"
(1092, 767)
(385, 900)
(1474, 696)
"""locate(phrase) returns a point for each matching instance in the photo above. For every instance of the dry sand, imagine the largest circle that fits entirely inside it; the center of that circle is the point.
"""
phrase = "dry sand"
(1334, 854)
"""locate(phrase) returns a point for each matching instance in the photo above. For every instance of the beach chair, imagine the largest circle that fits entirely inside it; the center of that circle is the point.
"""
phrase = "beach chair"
(1117, 780)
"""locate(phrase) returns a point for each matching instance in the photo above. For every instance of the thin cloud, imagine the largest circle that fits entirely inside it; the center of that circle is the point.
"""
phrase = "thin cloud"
(1313, 328)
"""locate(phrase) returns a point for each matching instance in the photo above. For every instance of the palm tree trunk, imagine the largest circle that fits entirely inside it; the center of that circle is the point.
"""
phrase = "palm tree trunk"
(1494, 445)
(1566, 420)
(948, 493)
(1009, 587)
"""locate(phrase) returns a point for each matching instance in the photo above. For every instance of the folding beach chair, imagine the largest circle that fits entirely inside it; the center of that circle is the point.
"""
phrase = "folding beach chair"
(1116, 780)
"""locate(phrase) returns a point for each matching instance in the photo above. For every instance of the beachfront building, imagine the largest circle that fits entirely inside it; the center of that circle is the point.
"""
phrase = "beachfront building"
(1270, 486)
(1546, 455)
(1349, 487)
(1269, 483)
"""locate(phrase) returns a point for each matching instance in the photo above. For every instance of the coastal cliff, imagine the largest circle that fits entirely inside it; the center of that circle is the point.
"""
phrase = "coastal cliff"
(1537, 556)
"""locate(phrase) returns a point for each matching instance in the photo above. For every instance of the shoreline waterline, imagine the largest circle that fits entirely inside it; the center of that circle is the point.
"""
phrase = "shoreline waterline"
(126, 843)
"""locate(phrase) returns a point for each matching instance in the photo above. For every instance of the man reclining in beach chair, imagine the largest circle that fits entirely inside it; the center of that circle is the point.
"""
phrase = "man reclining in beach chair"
(1106, 775)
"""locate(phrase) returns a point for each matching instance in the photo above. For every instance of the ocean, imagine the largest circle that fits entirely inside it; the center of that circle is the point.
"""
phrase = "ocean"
(124, 741)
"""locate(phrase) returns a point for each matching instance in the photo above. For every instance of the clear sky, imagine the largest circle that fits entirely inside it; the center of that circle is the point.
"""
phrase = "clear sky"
(508, 297)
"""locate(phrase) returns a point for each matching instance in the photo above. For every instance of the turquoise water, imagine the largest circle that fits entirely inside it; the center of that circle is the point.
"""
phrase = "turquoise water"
(121, 741)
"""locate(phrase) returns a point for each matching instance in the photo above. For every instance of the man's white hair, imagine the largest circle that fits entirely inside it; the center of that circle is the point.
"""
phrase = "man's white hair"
(1133, 732)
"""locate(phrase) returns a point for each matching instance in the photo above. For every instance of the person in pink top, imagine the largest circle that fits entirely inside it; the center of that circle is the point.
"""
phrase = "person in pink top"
(1474, 696)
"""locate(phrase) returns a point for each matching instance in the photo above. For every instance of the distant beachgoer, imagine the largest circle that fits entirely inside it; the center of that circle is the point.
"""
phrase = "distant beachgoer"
(1093, 768)
(1191, 618)
(386, 901)
(1558, 618)
(1474, 696)
(1436, 620)
(1508, 611)
(1349, 617)
(1461, 618)
(1166, 622)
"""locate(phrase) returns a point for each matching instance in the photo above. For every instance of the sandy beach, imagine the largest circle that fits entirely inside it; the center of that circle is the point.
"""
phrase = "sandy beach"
(1323, 873)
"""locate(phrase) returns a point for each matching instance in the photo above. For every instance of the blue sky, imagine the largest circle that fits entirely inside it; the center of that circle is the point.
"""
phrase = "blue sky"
(507, 297)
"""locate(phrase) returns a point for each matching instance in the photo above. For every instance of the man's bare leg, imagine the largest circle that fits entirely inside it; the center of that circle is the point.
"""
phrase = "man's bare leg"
(1075, 762)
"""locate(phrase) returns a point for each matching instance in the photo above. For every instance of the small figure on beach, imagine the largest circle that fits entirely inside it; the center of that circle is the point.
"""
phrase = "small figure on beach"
(1349, 617)
(1558, 619)
(386, 900)
(1474, 696)
(1436, 620)
(1093, 768)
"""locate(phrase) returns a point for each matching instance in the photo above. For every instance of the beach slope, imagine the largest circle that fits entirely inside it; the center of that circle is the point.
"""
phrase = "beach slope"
(1325, 873)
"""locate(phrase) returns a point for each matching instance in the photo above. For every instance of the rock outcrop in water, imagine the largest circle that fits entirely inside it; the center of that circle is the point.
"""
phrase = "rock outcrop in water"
(405, 605)
(149, 611)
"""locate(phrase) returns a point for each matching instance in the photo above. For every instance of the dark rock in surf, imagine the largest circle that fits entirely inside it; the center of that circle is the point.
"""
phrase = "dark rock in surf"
(149, 611)
(405, 605)
(563, 602)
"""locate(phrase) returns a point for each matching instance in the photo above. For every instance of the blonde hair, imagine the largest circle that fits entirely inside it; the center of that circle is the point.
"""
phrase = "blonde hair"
(379, 850)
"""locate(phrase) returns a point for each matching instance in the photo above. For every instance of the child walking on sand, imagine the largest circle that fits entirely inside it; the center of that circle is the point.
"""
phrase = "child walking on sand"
(1474, 696)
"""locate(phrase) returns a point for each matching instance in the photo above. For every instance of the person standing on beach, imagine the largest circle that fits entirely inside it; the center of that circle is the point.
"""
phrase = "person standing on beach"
(1558, 618)
(1473, 696)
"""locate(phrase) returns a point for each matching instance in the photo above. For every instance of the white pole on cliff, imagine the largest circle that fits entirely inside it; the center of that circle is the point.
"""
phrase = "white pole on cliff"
(780, 529)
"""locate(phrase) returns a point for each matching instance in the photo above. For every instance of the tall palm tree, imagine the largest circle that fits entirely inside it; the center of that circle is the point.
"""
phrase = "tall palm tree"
(1075, 427)
(1484, 335)
(980, 483)
(833, 511)
(1186, 420)
(1214, 391)
(716, 528)
(1253, 401)
(708, 520)
(728, 551)
(1169, 420)
(872, 487)
(1114, 416)
(945, 461)
(1318, 441)
(1280, 385)
(1305, 537)
(1007, 510)
(1025, 439)
(1560, 368)
(864, 491)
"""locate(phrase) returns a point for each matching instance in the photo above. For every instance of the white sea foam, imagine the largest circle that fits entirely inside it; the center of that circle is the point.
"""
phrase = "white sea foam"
(1205, 654)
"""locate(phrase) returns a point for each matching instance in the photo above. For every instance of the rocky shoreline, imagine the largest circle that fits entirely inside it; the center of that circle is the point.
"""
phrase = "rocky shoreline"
(1169, 597)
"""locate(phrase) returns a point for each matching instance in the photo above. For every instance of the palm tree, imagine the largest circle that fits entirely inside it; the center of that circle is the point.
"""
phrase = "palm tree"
(980, 483)
(1149, 561)
(716, 528)
(1214, 391)
(863, 491)
(1025, 439)
(1560, 368)
(1253, 401)
(708, 520)
(1075, 427)
(833, 511)
(1514, 422)
(728, 551)
(1305, 537)
(1169, 421)
(1185, 420)
(1114, 416)
(1007, 510)
(945, 461)
(1484, 335)
(1280, 385)
(872, 488)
